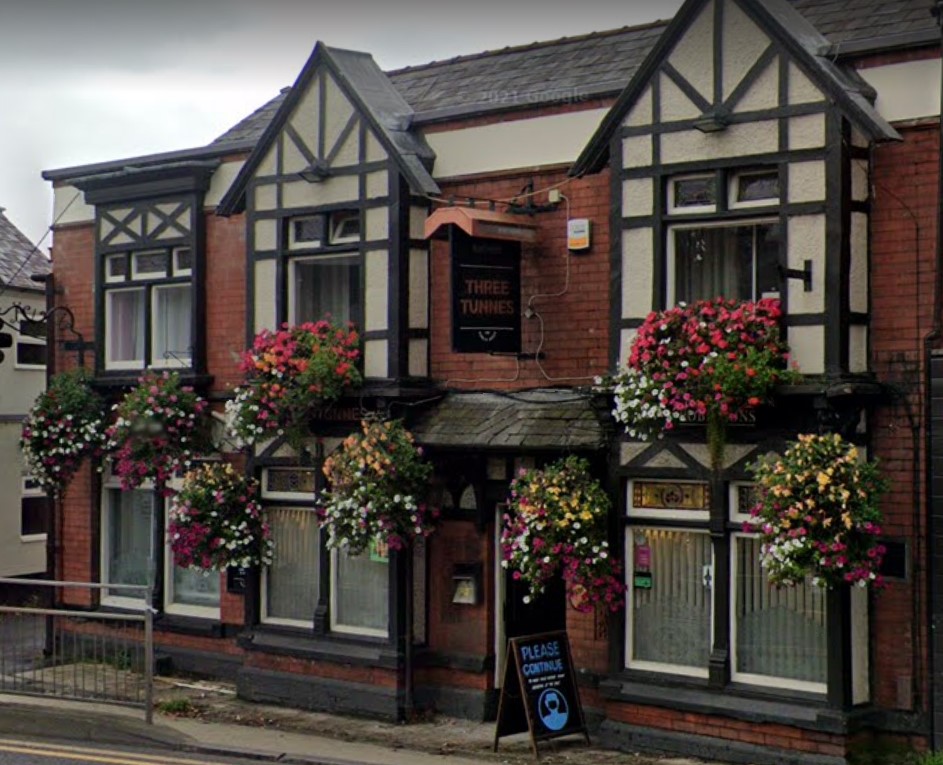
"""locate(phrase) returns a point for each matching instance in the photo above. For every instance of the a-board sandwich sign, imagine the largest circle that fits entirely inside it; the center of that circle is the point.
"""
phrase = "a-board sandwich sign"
(539, 693)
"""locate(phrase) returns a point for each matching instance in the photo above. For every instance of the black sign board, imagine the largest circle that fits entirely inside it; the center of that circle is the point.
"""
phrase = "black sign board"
(237, 579)
(486, 295)
(539, 692)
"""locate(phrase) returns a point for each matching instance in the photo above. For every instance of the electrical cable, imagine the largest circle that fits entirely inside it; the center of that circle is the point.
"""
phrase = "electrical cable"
(29, 255)
(507, 201)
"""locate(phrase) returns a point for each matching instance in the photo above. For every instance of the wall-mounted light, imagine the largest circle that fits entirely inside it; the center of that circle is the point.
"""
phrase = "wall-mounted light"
(466, 584)
(316, 172)
(712, 122)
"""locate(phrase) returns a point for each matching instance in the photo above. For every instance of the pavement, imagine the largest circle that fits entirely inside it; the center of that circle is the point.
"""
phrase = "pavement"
(208, 719)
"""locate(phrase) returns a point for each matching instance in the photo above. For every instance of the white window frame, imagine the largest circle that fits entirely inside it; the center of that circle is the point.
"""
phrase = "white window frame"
(182, 609)
(750, 678)
(111, 363)
(264, 616)
(30, 489)
(111, 278)
(24, 339)
(674, 209)
(295, 244)
(177, 270)
(734, 186)
(347, 629)
(671, 269)
(170, 362)
(291, 496)
(349, 258)
(661, 514)
(117, 601)
(142, 275)
(336, 222)
(655, 666)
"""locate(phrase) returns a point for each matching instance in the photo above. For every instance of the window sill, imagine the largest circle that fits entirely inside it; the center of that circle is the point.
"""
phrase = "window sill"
(189, 625)
(336, 649)
(110, 380)
(739, 702)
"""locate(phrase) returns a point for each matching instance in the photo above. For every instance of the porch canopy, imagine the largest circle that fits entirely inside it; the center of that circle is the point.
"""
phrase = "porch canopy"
(482, 224)
(537, 419)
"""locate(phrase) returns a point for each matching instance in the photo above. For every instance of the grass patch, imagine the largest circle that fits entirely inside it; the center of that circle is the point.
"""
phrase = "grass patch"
(177, 707)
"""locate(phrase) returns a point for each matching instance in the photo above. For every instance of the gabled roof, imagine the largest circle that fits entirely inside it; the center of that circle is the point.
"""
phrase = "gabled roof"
(19, 258)
(783, 23)
(377, 101)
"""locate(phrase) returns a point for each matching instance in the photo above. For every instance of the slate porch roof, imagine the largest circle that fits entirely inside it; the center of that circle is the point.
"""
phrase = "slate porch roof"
(538, 419)
(602, 63)
(19, 258)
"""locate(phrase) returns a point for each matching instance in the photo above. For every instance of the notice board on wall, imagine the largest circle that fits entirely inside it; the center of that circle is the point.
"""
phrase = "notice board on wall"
(539, 693)
(486, 295)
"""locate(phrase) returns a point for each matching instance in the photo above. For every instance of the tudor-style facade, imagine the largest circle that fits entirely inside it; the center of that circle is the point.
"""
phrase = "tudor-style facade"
(744, 157)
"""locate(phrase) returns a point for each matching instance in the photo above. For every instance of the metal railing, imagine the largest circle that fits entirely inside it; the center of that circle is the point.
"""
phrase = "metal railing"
(78, 652)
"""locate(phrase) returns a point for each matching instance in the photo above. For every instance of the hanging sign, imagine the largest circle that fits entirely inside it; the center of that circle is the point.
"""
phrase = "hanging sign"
(486, 295)
(539, 694)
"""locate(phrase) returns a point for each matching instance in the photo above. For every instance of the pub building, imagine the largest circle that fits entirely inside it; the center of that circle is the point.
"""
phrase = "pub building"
(497, 254)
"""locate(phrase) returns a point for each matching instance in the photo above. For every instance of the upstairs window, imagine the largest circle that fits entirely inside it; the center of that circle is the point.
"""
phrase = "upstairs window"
(31, 345)
(735, 259)
(345, 227)
(306, 231)
(148, 309)
(34, 511)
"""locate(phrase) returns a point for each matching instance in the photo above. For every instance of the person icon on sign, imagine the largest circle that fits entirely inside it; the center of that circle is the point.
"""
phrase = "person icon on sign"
(553, 709)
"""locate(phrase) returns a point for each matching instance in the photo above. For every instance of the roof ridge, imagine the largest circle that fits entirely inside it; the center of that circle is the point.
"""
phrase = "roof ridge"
(528, 46)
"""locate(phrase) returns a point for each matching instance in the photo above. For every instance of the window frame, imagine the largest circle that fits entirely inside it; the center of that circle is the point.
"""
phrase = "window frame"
(675, 209)
(353, 257)
(301, 244)
(31, 340)
(30, 489)
(733, 187)
(109, 485)
(336, 221)
(338, 628)
(281, 621)
(169, 362)
(169, 606)
(671, 263)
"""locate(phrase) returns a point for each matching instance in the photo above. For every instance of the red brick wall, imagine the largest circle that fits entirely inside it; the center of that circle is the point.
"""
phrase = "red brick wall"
(225, 298)
(576, 324)
(902, 277)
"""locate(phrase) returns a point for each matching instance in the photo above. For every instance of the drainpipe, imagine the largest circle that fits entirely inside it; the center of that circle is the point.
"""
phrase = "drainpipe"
(935, 593)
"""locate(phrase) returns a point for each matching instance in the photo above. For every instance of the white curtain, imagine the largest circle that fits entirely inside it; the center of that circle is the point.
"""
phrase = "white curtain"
(126, 325)
(172, 324)
(130, 538)
(671, 620)
(361, 589)
(329, 285)
(195, 588)
(781, 632)
(291, 591)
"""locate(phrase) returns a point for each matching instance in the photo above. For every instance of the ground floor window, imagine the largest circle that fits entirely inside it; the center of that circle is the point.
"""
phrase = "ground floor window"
(777, 636)
(135, 551)
(290, 586)
(360, 602)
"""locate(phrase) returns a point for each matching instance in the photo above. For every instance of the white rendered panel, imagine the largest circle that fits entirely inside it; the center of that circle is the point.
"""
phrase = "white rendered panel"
(378, 184)
(693, 54)
(638, 197)
(418, 358)
(269, 163)
(807, 348)
(293, 160)
(375, 150)
(807, 182)
(417, 222)
(637, 151)
(860, 180)
(377, 224)
(264, 295)
(418, 289)
(858, 277)
(637, 273)
(764, 93)
(341, 188)
(736, 141)
(801, 89)
(555, 139)
(349, 151)
(807, 132)
(376, 299)
(906, 91)
(376, 358)
(857, 348)
(221, 181)
(806, 241)
(265, 197)
(641, 112)
(337, 111)
(675, 105)
(743, 43)
(266, 234)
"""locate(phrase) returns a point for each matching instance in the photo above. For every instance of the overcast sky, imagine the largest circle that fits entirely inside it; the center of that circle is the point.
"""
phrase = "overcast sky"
(91, 80)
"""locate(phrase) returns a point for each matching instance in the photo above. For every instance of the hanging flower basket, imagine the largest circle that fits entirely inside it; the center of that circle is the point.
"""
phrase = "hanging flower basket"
(158, 430)
(818, 514)
(65, 425)
(216, 521)
(377, 481)
(290, 373)
(712, 361)
(557, 525)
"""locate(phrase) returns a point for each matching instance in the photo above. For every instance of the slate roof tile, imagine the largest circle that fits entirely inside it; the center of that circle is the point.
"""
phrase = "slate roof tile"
(19, 258)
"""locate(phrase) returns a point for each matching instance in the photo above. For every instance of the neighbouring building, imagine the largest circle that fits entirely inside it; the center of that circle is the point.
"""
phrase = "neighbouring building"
(24, 516)
(747, 148)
